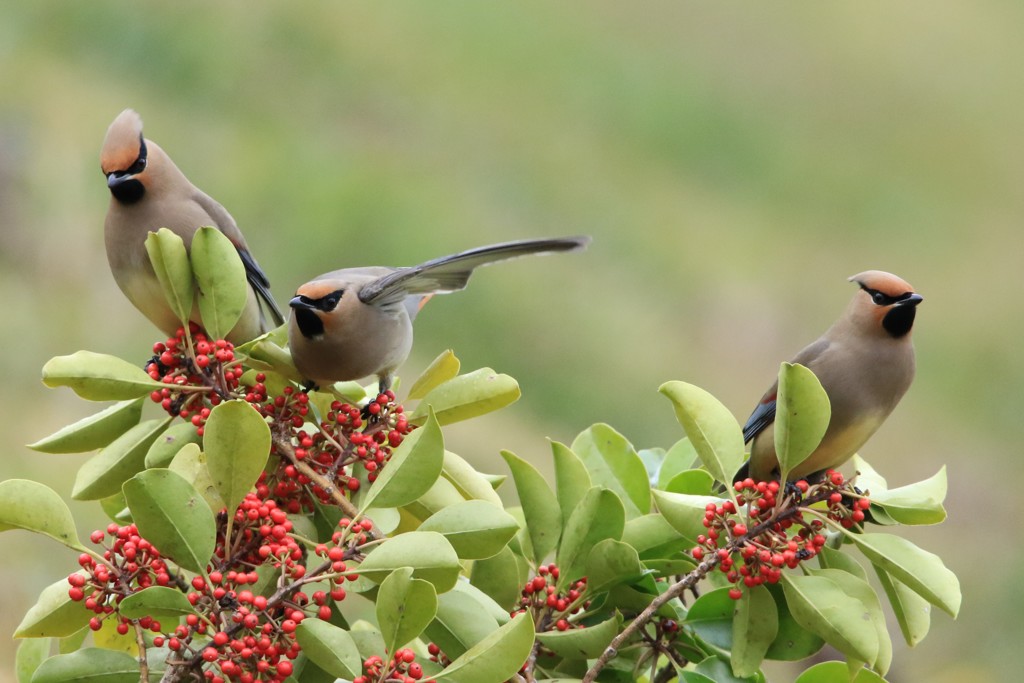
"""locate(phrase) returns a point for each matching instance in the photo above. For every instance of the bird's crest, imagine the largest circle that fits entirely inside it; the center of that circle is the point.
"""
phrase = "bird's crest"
(123, 143)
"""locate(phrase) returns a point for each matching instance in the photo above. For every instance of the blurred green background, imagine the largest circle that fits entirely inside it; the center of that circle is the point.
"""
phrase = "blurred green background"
(734, 164)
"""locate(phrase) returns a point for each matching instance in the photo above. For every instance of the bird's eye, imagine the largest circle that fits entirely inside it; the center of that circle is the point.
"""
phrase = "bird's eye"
(879, 298)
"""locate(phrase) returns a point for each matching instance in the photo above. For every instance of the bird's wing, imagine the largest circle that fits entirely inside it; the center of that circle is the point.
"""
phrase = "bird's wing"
(451, 273)
(764, 413)
(253, 273)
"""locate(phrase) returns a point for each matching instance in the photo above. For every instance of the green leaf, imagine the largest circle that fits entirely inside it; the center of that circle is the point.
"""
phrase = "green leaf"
(462, 621)
(717, 669)
(500, 577)
(190, 463)
(611, 562)
(681, 457)
(802, 413)
(497, 657)
(103, 474)
(837, 672)
(172, 515)
(830, 558)
(711, 618)
(98, 376)
(793, 641)
(918, 503)
(236, 441)
(614, 464)
(693, 482)
(572, 480)
(32, 506)
(599, 515)
(586, 643)
(163, 449)
(90, 665)
(475, 529)
(268, 355)
(220, 278)
(461, 398)
(405, 606)
(470, 484)
(710, 426)
(920, 570)
(754, 628)
(684, 512)
(913, 613)
(430, 555)
(54, 615)
(860, 589)
(651, 532)
(540, 507)
(331, 648)
(820, 605)
(95, 431)
(158, 602)
(413, 468)
(30, 655)
(174, 272)
(440, 495)
(443, 368)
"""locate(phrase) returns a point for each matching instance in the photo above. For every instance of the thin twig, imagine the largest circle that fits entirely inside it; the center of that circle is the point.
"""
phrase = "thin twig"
(143, 662)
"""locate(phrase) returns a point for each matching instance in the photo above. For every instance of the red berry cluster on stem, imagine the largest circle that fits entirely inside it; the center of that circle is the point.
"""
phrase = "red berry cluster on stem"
(754, 548)
(402, 668)
(550, 608)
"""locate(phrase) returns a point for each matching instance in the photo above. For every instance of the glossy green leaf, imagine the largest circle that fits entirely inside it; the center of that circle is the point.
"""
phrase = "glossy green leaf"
(500, 577)
(413, 468)
(820, 605)
(331, 648)
(471, 484)
(441, 494)
(462, 621)
(599, 515)
(497, 657)
(611, 562)
(95, 431)
(921, 571)
(572, 481)
(430, 555)
(269, 355)
(793, 641)
(173, 271)
(158, 602)
(614, 464)
(719, 670)
(73, 642)
(711, 618)
(32, 506)
(918, 503)
(837, 672)
(711, 428)
(236, 441)
(90, 665)
(692, 482)
(684, 512)
(167, 445)
(755, 625)
(98, 376)
(172, 515)
(461, 398)
(680, 457)
(802, 413)
(103, 474)
(443, 368)
(585, 643)
(830, 558)
(108, 638)
(913, 613)
(220, 279)
(540, 506)
(651, 532)
(190, 463)
(54, 614)
(475, 529)
(860, 589)
(405, 606)
(31, 653)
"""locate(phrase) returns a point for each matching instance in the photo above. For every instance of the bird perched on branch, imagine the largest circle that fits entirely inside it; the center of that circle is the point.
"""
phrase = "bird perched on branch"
(357, 322)
(865, 363)
(149, 192)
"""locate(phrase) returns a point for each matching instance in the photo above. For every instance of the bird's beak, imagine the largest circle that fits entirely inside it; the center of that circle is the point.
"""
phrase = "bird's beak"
(301, 303)
(912, 300)
(116, 178)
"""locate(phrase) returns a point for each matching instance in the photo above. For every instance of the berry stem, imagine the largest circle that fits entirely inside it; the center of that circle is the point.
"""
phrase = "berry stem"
(143, 662)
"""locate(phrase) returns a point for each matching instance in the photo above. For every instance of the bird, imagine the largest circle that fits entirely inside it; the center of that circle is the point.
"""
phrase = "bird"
(865, 363)
(149, 192)
(357, 322)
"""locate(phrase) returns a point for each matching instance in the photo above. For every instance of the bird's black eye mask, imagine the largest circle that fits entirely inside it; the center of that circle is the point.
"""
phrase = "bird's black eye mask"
(139, 165)
(123, 184)
(882, 299)
(308, 321)
(327, 303)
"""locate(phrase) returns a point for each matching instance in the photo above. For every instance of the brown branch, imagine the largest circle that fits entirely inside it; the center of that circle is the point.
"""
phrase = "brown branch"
(143, 662)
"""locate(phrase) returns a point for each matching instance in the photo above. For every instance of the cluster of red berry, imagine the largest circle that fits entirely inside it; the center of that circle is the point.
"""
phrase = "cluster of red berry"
(756, 554)
(402, 668)
(130, 563)
(550, 608)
